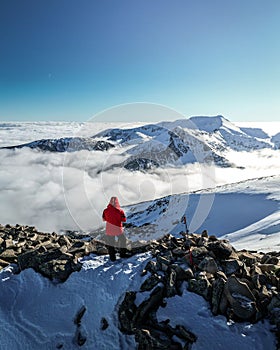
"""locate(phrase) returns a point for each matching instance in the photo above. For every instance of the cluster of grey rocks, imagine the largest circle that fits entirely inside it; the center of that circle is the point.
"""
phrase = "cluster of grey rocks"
(52, 255)
(241, 285)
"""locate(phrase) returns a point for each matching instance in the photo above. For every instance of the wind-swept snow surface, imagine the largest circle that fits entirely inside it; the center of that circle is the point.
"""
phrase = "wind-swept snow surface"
(214, 333)
(37, 314)
(246, 213)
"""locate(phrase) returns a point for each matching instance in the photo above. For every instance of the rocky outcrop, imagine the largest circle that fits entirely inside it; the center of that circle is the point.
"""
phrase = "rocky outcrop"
(140, 164)
(54, 256)
(149, 333)
(241, 285)
(66, 144)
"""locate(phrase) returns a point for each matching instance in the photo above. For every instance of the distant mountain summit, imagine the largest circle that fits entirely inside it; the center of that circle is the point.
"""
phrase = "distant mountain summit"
(230, 135)
(198, 139)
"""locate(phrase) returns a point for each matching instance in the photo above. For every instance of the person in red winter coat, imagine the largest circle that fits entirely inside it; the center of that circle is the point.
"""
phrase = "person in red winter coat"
(114, 217)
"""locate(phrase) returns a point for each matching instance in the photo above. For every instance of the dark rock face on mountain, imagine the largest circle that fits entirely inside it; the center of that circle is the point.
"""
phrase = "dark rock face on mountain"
(140, 164)
(68, 144)
(276, 140)
(177, 145)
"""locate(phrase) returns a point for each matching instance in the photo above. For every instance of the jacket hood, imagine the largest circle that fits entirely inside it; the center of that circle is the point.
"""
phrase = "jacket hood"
(114, 202)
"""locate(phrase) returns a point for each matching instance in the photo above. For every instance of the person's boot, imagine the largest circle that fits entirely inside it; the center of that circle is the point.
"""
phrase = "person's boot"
(123, 253)
(112, 253)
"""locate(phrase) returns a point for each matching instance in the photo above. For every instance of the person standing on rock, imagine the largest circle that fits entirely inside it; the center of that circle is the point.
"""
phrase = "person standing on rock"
(114, 217)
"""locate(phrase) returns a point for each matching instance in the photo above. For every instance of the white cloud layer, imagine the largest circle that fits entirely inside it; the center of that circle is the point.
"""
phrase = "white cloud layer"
(56, 191)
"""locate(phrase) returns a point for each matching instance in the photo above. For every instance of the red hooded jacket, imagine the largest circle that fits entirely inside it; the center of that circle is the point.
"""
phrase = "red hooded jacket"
(114, 217)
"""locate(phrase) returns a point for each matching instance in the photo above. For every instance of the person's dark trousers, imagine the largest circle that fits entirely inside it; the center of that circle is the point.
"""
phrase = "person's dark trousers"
(111, 243)
(122, 245)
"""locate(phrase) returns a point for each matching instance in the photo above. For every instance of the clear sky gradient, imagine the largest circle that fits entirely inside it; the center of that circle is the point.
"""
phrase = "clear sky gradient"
(70, 59)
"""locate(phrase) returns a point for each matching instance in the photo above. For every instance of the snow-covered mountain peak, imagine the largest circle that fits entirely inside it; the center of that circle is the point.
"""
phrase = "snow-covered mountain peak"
(209, 124)
(214, 124)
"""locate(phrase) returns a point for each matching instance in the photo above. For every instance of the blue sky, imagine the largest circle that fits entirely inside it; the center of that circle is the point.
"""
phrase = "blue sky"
(70, 59)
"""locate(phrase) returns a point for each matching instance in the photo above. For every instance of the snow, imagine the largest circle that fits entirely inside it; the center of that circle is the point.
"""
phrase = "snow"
(211, 124)
(270, 128)
(276, 140)
(255, 132)
(38, 314)
(214, 333)
(246, 213)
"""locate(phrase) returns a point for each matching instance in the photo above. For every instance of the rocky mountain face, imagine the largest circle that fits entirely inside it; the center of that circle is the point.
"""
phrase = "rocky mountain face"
(241, 285)
(276, 140)
(165, 144)
(67, 144)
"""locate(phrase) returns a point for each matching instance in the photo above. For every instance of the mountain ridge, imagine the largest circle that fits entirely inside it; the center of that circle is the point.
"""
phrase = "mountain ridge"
(170, 143)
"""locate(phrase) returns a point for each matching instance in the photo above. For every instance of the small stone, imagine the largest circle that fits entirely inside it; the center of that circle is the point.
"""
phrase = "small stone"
(232, 266)
(9, 243)
(204, 234)
(208, 264)
(8, 255)
(200, 286)
(104, 324)
(4, 263)
(247, 257)
(267, 268)
(150, 283)
(79, 315)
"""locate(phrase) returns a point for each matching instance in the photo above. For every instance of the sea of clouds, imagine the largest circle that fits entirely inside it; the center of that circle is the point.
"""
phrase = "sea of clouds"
(58, 191)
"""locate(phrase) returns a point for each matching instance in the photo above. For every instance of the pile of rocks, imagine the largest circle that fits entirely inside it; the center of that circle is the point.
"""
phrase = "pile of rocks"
(54, 256)
(241, 285)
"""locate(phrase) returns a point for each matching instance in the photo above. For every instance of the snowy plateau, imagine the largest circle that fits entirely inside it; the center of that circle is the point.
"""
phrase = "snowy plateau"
(59, 176)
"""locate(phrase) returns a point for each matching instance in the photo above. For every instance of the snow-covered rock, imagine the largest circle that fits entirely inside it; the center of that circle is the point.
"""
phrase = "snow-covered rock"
(276, 140)
(66, 144)
(255, 132)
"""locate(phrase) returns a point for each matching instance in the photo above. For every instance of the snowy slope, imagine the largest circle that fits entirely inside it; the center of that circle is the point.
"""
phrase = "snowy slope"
(214, 333)
(246, 213)
(224, 132)
(37, 314)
